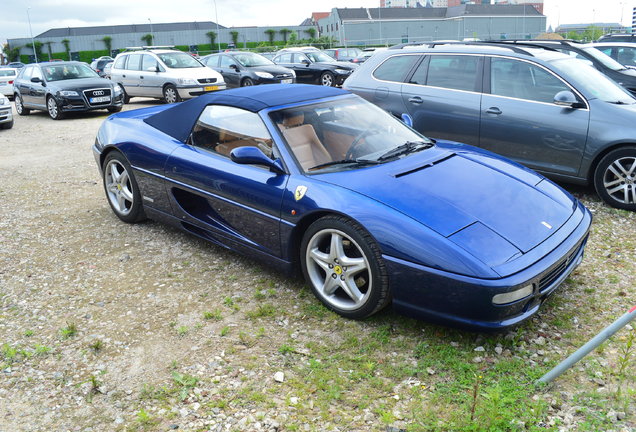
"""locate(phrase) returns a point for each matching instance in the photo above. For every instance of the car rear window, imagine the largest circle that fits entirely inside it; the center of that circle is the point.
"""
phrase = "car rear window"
(7, 72)
(396, 68)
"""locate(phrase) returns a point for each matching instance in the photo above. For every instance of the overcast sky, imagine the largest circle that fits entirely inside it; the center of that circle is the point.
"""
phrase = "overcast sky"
(47, 14)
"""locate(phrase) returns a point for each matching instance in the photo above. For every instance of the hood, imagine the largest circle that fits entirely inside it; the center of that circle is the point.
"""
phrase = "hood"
(196, 73)
(471, 198)
(80, 84)
(340, 64)
(273, 69)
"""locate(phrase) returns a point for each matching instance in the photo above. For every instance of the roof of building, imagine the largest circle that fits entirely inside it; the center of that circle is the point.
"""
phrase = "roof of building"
(432, 13)
(129, 28)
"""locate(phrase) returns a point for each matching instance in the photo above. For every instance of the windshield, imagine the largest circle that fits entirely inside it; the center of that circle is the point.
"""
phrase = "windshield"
(591, 81)
(252, 60)
(179, 60)
(606, 60)
(345, 134)
(319, 56)
(68, 71)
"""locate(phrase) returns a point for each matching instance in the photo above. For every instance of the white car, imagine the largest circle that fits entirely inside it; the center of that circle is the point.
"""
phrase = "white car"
(167, 74)
(622, 52)
(6, 116)
(7, 76)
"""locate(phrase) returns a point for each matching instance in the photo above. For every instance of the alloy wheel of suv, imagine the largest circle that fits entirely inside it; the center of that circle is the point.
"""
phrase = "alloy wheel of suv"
(53, 108)
(615, 178)
(19, 106)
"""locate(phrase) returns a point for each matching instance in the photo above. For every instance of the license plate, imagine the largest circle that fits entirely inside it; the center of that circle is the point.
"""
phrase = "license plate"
(210, 88)
(99, 99)
(286, 81)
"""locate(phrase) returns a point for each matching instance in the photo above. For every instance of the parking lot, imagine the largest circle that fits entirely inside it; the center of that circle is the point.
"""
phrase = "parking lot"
(109, 326)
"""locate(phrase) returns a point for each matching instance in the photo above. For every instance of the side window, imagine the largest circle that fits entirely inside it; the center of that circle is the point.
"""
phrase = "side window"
(27, 73)
(396, 68)
(213, 61)
(37, 73)
(148, 61)
(226, 61)
(221, 129)
(299, 57)
(134, 62)
(523, 80)
(626, 56)
(458, 72)
(120, 63)
(419, 76)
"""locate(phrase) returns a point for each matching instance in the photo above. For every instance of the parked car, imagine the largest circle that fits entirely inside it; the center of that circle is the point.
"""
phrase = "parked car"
(546, 110)
(98, 64)
(269, 55)
(107, 68)
(371, 211)
(166, 74)
(6, 115)
(312, 66)
(16, 65)
(241, 69)
(343, 54)
(365, 54)
(622, 52)
(589, 53)
(7, 76)
(61, 87)
(618, 37)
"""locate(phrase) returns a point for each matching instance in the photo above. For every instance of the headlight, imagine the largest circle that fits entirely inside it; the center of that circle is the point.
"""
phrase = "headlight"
(187, 81)
(512, 296)
(68, 93)
(343, 71)
(264, 74)
(2, 100)
(293, 72)
(116, 90)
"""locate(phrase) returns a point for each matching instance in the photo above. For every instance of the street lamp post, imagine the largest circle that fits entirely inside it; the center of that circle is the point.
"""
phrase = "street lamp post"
(35, 54)
(152, 38)
(218, 35)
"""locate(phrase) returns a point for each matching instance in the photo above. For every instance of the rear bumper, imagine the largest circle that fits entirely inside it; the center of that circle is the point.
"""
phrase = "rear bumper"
(435, 295)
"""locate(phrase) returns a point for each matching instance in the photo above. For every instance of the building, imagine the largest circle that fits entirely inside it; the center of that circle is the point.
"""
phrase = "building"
(537, 4)
(402, 3)
(581, 28)
(388, 26)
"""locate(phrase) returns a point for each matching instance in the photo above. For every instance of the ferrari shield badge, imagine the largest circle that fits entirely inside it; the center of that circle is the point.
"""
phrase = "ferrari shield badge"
(300, 192)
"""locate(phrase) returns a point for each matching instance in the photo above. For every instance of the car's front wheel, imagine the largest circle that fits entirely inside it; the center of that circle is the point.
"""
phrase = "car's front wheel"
(7, 125)
(615, 178)
(121, 189)
(247, 82)
(327, 79)
(19, 106)
(170, 94)
(54, 109)
(343, 265)
(114, 109)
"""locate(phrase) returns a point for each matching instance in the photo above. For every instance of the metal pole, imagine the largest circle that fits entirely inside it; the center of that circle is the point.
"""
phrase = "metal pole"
(35, 54)
(218, 35)
(152, 38)
(605, 334)
(380, 22)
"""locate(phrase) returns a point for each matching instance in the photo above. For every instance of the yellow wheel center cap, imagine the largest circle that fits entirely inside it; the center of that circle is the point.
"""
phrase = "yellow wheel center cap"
(119, 187)
(337, 270)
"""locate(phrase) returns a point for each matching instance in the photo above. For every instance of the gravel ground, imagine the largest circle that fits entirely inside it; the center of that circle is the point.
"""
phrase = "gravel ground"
(108, 326)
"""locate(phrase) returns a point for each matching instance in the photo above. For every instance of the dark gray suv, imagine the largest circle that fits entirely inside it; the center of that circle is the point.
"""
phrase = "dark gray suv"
(541, 108)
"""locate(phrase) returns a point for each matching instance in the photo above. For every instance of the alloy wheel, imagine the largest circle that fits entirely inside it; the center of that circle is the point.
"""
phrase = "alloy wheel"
(619, 180)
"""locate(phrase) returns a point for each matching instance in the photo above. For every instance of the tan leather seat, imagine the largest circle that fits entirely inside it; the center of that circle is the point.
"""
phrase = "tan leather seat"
(304, 142)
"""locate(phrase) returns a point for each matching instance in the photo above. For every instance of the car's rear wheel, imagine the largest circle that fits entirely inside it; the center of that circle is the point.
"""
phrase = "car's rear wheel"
(327, 79)
(615, 178)
(121, 189)
(343, 265)
(170, 94)
(19, 106)
(247, 82)
(54, 109)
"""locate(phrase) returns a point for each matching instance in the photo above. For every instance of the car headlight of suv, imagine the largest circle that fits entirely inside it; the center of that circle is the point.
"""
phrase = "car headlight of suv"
(343, 71)
(116, 90)
(187, 81)
(2, 100)
(293, 72)
(67, 93)
(264, 74)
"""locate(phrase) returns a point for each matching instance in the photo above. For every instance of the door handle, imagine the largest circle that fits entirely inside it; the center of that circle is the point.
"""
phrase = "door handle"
(493, 110)
(123, 76)
(416, 100)
(141, 77)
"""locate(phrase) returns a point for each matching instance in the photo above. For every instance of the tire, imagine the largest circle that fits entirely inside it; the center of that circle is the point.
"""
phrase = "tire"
(615, 178)
(114, 109)
(19, 106)
(126, 98)
(247, 82)
(170, 94)
(343, 265)
(327, 79)
(121, 189)
(53, 109)
(8, 125)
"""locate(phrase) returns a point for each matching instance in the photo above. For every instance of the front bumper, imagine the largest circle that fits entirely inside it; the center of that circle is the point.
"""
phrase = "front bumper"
(188, 92)
(80, 103)
(6, 115)
(340, 78)
(451, 299)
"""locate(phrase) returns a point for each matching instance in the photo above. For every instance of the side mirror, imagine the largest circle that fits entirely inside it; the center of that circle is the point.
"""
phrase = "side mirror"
(36, 79)
(235, 67)
(254, 156)
(153, 69)
(305, 62)
(566, 98)
(407, 119)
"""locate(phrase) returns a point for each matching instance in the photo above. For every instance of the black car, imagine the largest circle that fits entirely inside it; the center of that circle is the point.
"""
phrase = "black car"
(588, 52)
(99, 64)
(618, 37)
(240, 69)
(315, 67)
(60, 87)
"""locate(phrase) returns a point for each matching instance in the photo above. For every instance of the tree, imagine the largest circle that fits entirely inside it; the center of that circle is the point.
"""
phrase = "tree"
(293, 38)
(212, 35)
(284, 32)
(311, 32)
(147, 38)
(67, 48)
(108, 41)
(48, 45)
(271, 33)
(13, 54)
(235, 36)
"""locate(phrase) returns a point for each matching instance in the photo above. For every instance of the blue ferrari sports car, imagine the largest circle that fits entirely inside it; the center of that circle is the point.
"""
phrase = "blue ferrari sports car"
(316, 179)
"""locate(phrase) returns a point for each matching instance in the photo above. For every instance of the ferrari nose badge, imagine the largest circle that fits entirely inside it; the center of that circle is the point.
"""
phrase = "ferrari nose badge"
(300, 192)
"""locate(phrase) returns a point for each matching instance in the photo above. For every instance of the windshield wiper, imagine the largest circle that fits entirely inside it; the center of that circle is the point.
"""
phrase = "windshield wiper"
(407, 147)
(346, 161)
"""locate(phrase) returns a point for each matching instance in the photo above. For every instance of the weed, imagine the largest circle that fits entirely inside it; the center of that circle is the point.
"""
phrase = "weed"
(28, 333)
(225, 331)
(182, 330)
(262, 311)
(286, 349)
(145, 419)
(213, 315)
(174, 365)
(96, 345)
(625, 353)
(69, 331)
(184, 383)
(9, 353)
(41, 350)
